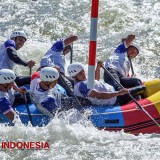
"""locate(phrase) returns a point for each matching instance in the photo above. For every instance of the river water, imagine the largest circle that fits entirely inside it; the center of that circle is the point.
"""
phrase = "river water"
(47, 20)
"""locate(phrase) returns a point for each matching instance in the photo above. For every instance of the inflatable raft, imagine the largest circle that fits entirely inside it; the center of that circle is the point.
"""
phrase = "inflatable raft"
(111, 118)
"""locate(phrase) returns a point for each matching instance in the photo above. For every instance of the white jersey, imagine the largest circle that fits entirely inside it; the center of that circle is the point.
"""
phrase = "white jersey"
(5, 62)
(54, 56)
(39, 95)
(8, 95)
(81, 90)
(119, 60)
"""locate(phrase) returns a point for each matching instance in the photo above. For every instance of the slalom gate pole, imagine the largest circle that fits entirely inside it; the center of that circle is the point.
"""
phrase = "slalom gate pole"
(93, 43)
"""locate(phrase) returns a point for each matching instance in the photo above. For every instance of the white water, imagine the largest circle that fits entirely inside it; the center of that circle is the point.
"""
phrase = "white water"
(79, 141)
(47, 20)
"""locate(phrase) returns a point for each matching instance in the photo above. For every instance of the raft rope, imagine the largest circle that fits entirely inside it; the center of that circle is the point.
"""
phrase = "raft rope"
(150, 104)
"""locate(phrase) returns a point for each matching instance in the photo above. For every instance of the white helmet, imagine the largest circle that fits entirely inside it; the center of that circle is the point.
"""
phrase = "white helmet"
(6, 76)
(18, 34)
(136, 46)
(49, 74)
(74, 68)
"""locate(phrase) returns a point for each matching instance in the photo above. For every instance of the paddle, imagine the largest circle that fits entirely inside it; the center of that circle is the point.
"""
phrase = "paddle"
(30, 71)
(131, 67)
(70, 49)
(69, 89)
(64, 82)
(29, 114)
(123, 39)
(71, 55)
(140, 107)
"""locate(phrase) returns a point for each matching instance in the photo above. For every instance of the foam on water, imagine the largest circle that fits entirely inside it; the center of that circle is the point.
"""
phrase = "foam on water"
(45, 21)
(78, 140)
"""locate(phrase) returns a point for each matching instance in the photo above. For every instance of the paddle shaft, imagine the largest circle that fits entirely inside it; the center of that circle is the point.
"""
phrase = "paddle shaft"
(140, 107)
(71, 55)
(131, 66)
(62, 79)
(30, 71)
(29, 114)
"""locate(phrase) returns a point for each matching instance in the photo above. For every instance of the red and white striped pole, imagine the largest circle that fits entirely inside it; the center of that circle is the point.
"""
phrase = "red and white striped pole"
(93, 43)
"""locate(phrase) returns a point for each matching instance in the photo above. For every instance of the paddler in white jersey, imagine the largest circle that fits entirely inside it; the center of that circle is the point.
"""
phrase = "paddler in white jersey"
(119, 64)
(9, 56)
(43, 91)
(101, 94)
(55, 56)
(7, 88)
